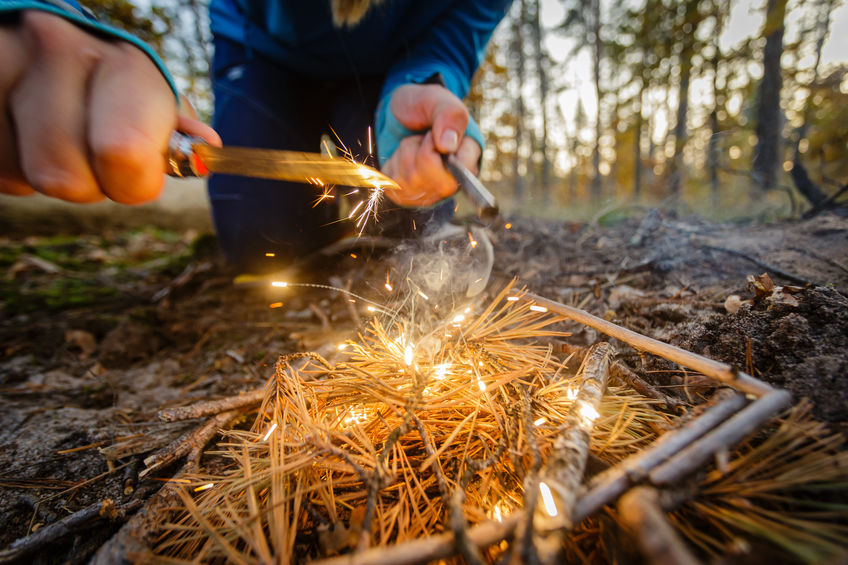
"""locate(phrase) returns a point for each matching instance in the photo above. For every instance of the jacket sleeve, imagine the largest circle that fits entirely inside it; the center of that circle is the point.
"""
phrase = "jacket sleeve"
(74, 12)
(454, 47)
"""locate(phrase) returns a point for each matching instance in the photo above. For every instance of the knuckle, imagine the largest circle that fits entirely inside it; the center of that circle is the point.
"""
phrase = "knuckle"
(64, 185)
(126, 168)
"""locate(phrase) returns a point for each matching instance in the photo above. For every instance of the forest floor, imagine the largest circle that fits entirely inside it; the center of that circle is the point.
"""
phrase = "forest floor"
(99, 332)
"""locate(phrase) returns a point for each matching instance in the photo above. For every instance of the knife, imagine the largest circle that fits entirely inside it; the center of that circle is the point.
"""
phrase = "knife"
(192, 157)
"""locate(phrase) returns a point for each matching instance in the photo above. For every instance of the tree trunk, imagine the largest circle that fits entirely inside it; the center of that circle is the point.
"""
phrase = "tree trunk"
(596, 72)
(822, 27)
(687, 51)
(518, 53)
(539, 55)
(767, 152)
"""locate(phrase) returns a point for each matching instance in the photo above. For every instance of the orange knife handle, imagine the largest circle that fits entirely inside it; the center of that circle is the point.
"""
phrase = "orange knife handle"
(181, 160)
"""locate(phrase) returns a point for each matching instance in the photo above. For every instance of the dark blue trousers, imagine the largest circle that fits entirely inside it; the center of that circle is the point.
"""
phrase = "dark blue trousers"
(260, 104)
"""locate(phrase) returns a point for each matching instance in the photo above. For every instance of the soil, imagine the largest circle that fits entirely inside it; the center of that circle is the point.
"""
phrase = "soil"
(99, 332)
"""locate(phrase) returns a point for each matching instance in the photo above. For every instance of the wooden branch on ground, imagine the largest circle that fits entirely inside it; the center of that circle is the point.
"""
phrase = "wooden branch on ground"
(432, 548)
(210, 407)
(622, 372)
(715, 369)
(640, 511)
(777, 271)
(723, 437)
(609, 485)
(191, 443)
(105, 509)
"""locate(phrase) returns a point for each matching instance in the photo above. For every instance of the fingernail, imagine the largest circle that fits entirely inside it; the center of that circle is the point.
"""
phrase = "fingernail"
(450, 141)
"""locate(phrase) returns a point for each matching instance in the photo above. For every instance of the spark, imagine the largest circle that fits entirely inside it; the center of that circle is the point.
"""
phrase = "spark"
(508, 226)
(571, 393)
(472, 240)
(540, 421)
(343, 346)
(270, 254)
(370, 144)
(371, 309)
(207, 486)
(354, 255)
(548, 499)
(588, 412)
(422, 295)
(270, 431)
(408, 355)
(355, 416)
(275, 305)
(442, 371)
(512, 299)
(458, 318)
(481, 384)
(388, 287)
(279, 284)
(497, 513)
(537, 308)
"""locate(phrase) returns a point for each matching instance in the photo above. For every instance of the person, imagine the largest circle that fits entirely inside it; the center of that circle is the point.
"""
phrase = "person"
(89, 109)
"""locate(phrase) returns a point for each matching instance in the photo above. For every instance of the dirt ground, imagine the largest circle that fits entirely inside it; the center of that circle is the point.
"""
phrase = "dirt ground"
(99, 331)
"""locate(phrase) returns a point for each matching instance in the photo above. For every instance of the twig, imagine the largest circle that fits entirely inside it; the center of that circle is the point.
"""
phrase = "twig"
(104, 509)
(564, 468)
(469, 552)
(640, 510)
(819, 256)
(191, 443)
(429, 549)
(210, 407)
(830, 202)
(622, 372)
(725, 436)
(715, 369)
(763, 265)
(609, 485)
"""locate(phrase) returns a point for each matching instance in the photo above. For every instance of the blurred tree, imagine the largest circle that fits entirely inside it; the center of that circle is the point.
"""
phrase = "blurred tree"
(768, 126)
(519, 67)
(541, 64)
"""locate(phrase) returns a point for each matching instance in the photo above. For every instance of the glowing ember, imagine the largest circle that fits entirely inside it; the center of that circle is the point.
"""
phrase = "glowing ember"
(353, 255)
(275, 305)
(270, 431)
(548, 499)
(508, 226)
(270, 254)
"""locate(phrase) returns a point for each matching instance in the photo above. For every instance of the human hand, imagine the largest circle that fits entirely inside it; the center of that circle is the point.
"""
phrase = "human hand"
(417, 164)
(83, 118)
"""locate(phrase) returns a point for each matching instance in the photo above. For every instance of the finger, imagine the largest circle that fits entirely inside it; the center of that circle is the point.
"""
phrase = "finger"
(14, 61)
(195, 127)
(469, 153)
(401, 167)
(419, 107)
(431, 171)
(132, 114)
(47, 112)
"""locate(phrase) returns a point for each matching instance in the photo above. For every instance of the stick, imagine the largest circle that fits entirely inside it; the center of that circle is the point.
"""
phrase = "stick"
(609, 485)
(68, 525)
(771, 268)
(715, 369)
(191, 443)
(622, 372)
(209, 407)
(640, 510)
(726, 435)
(424, 550)
(563, 471)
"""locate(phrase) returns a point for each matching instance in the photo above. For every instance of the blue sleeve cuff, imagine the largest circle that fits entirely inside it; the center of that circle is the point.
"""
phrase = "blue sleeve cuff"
(390, 132)
(72, 11)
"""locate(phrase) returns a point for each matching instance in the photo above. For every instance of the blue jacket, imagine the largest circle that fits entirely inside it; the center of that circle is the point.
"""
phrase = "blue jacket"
(405, 40)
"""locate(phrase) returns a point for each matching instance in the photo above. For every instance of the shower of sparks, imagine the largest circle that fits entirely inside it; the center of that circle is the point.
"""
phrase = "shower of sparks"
(270, 431)
(548, 499)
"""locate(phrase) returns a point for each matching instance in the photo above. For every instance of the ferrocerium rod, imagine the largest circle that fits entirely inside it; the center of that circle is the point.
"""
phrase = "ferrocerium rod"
(709, 367)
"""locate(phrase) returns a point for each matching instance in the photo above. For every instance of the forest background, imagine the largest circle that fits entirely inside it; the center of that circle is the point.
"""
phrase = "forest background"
(724, 108)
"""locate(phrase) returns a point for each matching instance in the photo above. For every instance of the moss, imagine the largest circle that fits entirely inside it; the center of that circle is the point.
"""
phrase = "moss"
(58, 294)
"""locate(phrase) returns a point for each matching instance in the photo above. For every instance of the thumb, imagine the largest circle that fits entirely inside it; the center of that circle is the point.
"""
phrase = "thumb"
(428, 106)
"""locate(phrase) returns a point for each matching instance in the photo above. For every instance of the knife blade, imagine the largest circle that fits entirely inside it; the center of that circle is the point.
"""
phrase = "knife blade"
(192, 157)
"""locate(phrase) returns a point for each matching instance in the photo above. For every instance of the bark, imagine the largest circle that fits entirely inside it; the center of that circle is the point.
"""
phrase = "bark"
(767, 151)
